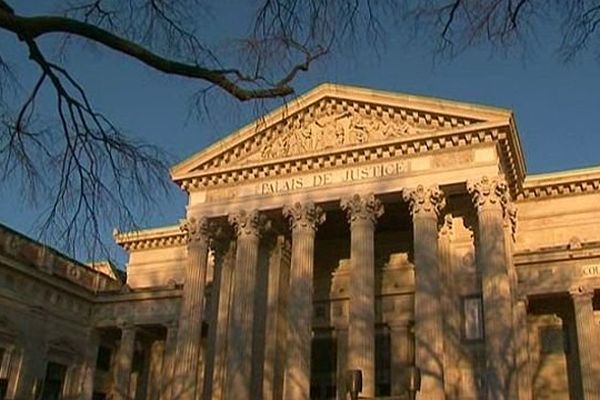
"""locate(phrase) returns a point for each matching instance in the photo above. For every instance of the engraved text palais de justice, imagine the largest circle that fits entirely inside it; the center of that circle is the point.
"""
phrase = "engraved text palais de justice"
(329, 178)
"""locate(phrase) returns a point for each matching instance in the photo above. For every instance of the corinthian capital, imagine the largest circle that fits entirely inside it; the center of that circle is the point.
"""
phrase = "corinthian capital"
(362, 208)
(488, 192)
(248, 223)
(196, 229)
(307, 216)
(424, 201)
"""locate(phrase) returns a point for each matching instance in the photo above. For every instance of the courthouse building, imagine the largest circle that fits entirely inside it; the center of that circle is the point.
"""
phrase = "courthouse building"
(350, 229)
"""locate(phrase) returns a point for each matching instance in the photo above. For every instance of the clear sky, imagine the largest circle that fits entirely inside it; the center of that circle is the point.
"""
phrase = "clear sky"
(556, 104)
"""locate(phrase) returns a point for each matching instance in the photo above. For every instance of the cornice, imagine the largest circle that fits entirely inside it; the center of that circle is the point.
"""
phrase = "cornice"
(564, 183)
(557, 253)
(156, 238)
(499, 132)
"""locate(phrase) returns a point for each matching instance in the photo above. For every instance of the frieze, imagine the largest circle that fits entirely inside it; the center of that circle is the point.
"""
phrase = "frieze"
(349, 175)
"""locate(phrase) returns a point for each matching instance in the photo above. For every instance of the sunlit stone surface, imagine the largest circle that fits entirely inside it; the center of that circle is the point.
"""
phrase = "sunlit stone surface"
(482, 277)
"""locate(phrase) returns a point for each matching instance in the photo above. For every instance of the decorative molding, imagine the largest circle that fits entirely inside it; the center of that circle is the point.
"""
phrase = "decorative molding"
(561, 184)
(424, 201)
(304, 216)
(360, 208)
(582, 292)
(169, 236)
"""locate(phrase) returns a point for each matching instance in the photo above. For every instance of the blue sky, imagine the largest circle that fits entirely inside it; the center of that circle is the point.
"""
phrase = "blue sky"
(556, 104)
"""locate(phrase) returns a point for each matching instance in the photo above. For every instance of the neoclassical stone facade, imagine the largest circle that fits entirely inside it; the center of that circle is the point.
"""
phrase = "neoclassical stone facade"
(350, 229)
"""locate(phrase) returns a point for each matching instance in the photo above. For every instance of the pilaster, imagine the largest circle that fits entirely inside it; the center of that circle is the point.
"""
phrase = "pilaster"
(192, 309)
(363, 212)
(304, 220)
(425, 205)
(490, 198)
(248, 228)
(587, 341)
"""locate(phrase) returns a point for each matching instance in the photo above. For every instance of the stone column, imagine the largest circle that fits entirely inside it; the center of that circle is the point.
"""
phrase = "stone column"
(124, 358)
(587, 341)
(276, 323)
(491, 197)
(522, 348)
(362, 215)
(304, 220)
(88, 366)
(192, 309)
(240, 384)
(425, 204)
(169, 361)
(225, 262)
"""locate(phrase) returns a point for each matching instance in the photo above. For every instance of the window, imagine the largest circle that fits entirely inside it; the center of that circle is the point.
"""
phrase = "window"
(472, 318)
(323, 366)
(383, 363)
(552, 340)
(53, 383)
(103, 360)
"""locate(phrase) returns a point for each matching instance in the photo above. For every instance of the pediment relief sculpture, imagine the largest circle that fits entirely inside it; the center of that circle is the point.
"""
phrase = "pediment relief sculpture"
(336, 130)
(333, 131)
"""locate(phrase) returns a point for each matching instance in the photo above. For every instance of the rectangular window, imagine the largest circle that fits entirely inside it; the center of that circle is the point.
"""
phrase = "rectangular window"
(383, 363)
(103, 360)
(552, 340)
(472, 318)
(323, 366)
(54, 381)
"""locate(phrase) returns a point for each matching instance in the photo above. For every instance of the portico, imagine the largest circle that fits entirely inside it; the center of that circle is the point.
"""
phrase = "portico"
(355, 230)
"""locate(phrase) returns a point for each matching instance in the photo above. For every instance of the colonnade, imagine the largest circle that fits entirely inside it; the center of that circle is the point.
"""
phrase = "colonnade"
(228, 369)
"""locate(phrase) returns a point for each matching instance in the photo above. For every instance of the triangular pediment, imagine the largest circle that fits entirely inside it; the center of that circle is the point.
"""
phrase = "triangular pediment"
(334, 118)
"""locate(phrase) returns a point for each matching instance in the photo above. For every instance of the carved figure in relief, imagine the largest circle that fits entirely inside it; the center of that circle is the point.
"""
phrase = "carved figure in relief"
(335, 130)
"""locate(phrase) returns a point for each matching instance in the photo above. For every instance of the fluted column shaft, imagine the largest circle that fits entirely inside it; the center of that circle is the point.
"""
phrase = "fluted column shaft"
(122, 371)
(490, 197)
(522, 349)
(587, 342)
(424, 204)
(192, 308)
(239, 355)
(223, 251)
(362, 213)
(304, 220)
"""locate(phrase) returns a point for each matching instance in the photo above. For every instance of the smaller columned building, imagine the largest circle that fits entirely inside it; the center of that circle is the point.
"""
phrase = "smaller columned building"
(350, 230)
